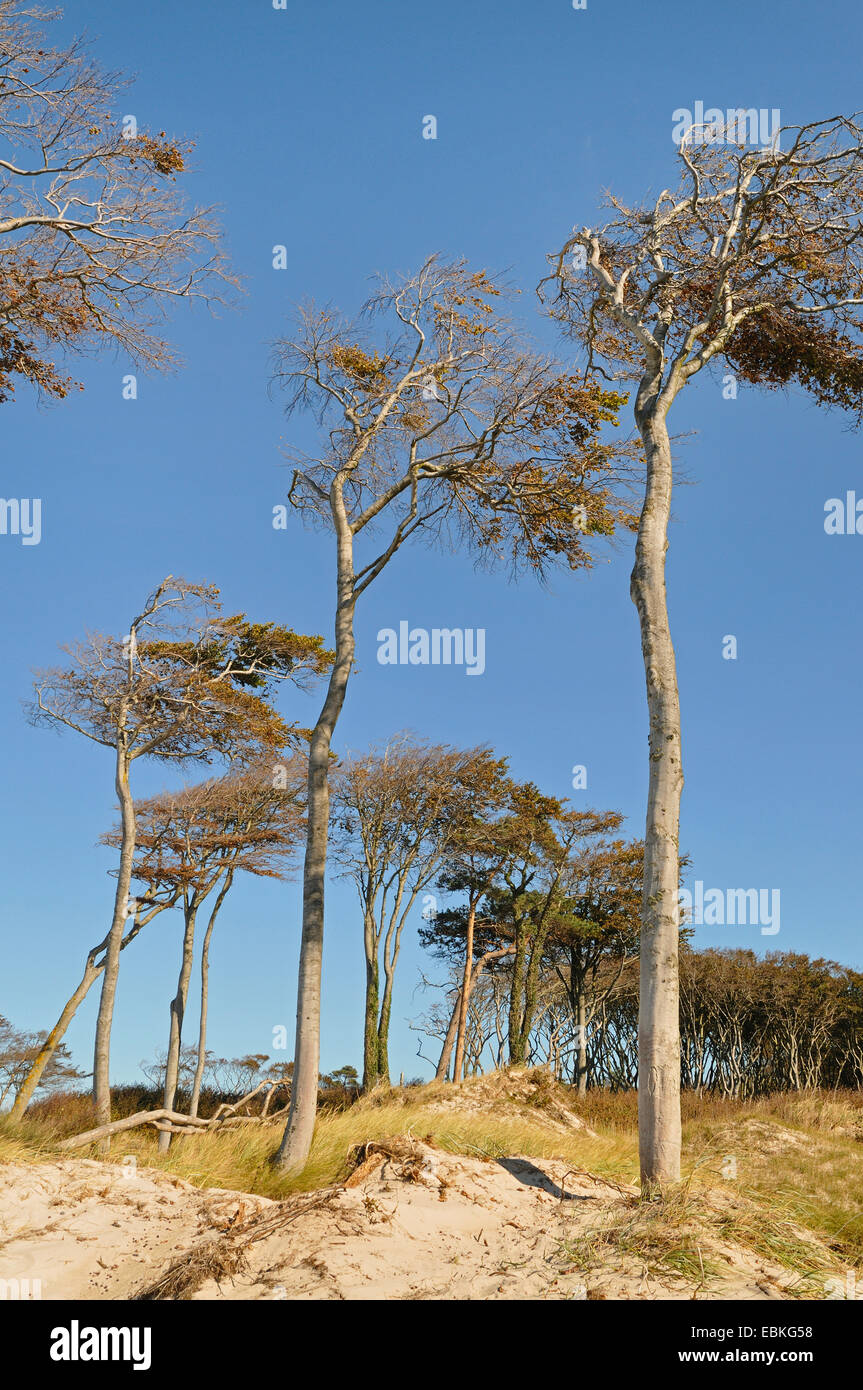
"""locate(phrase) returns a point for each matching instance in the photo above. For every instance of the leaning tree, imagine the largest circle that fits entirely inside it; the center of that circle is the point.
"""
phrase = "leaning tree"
(192, 843)
(141, 910)
(95, 243)
(753, 263)
(186, 684)
(440, 423)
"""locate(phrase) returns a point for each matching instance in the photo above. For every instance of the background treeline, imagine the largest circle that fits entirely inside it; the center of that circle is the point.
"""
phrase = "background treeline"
(749, 1027)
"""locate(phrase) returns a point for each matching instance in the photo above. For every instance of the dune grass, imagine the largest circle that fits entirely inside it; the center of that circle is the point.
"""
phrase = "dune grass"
(240, 1158)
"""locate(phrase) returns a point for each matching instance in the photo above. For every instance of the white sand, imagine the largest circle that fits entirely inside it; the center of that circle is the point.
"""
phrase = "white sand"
(423, 1226)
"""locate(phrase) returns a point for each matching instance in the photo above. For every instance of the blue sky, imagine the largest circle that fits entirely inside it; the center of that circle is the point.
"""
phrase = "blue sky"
(308, 124)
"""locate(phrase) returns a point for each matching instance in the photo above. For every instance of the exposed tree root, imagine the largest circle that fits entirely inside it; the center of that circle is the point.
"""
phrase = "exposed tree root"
(226, 1257)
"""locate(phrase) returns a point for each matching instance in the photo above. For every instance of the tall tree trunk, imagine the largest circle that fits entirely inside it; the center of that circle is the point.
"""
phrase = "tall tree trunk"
(384, 1028)
(515, 1037)
(297, 1139)
(102, 1048)
(371, 1056)
(658, 1013)
(581, 1046)
(392, 947)
(178, 1011)
(205, 995)
(465, 994)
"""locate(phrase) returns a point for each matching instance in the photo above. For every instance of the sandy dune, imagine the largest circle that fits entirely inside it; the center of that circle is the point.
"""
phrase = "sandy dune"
(413, 1222)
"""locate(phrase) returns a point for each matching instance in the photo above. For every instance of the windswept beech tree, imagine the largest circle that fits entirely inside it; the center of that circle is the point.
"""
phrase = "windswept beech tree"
(95, 243)
(525, 904)
(396, 813)
(187, 684)
(752, 264)
(193, 842)
(439, 422)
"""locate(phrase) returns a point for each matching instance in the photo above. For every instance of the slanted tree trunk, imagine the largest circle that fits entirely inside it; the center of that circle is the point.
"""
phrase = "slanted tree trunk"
(178, 1011)
(92, 971)
(102, 1048)
(658, 1014)
(297, 1140)
(205, 994)
(449, 1040)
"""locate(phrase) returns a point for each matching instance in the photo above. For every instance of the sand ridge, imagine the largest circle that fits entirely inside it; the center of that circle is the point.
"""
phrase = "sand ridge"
(412, 1222)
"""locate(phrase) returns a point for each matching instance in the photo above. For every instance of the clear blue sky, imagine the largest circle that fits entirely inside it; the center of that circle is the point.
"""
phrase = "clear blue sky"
(308, 124)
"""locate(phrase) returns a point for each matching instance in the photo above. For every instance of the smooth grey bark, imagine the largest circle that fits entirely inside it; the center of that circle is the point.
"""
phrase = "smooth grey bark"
(102, 1048)
(297, 1140)
(205, 996)
(659, 1022)
(658, 1014)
